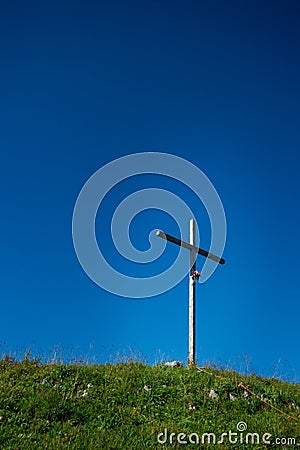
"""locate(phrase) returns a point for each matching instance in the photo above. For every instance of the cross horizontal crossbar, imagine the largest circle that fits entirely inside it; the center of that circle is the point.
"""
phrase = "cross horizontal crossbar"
(190, 247)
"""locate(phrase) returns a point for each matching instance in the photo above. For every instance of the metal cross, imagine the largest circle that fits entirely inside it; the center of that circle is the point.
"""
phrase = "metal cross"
(192, 279)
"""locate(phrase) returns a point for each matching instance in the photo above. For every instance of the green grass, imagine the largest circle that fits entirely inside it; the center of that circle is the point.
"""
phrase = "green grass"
(125, 406)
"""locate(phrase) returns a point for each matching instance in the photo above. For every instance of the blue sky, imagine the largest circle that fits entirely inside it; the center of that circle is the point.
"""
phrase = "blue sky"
(84, 83)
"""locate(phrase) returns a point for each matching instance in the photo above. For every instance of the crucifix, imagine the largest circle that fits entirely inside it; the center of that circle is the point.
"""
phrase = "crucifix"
(193, 276)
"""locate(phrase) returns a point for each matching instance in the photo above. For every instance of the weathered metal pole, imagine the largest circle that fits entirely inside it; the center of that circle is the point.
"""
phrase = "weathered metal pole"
(192, 296)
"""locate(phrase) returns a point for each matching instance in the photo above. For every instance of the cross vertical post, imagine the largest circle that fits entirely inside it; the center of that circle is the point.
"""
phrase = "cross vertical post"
(192, 295)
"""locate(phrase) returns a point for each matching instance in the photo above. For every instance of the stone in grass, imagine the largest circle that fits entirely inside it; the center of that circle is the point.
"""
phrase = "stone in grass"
(173, 364)
(213, 394)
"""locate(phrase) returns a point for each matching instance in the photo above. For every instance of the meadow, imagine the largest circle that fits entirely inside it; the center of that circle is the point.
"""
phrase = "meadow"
(134, 406)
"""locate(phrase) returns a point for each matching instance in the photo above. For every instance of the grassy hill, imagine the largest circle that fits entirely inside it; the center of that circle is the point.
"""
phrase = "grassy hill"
(135, 406)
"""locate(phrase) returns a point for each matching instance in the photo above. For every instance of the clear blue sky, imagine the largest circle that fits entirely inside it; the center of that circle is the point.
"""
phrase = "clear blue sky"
(217, 83)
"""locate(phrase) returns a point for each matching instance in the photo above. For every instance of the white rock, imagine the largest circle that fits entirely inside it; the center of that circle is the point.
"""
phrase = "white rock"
(213, 394)
(173, 364)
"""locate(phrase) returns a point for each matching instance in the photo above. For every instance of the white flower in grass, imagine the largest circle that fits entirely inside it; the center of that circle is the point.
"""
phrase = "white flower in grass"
(232, 397)
(89, 385)
(147, 388)
(85, 393)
